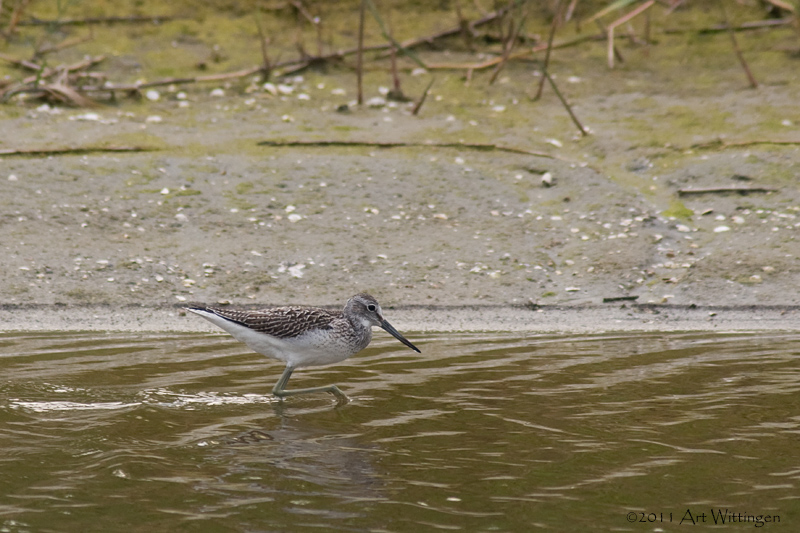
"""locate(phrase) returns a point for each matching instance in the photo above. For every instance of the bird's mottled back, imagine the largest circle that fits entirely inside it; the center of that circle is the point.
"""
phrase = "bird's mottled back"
(304, 336)
(280, 322)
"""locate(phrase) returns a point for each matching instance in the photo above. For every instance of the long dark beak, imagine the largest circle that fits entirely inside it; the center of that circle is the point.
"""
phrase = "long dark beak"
(388, 327)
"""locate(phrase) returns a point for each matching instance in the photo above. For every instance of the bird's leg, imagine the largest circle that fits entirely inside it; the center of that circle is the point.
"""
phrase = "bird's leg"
(280, 391)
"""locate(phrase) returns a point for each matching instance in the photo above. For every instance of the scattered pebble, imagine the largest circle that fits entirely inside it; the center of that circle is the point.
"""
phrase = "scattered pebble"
(721, 229)
(547, 179)
(152, 95)
(93, 117)
(683, 228)
(12, 177)
(271, 88)
(294, 217)
(153, 119)
(296, 271)
(376, 101)
(218, 92)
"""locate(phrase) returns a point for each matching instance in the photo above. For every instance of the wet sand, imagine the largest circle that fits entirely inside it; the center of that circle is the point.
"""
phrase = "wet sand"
(547, 320)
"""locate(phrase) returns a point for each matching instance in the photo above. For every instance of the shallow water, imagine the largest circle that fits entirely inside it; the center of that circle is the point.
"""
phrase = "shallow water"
(123, 432)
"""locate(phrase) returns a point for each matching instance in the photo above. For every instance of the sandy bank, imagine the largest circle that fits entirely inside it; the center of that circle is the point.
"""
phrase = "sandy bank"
(556, 319)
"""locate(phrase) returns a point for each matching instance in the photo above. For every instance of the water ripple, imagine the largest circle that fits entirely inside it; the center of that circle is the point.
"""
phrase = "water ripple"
(481, 432)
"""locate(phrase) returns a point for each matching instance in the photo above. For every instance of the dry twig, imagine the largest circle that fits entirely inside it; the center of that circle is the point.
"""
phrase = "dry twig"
(736, 49)
(553, 26)
(610, 299)
(72, 150)
(14, 16)
(110, 87)
(517, 55)
(422, 98)
(61, 46)
(565, 104)
(719, 190)
(622, 20)
(735, 144)
(399, 144)
(263, 41)
(99, 20)
(513, 33)
(755, 25)
(360, 52)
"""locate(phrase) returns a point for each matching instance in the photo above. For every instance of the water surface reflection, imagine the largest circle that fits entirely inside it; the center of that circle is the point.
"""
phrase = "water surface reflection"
(477, 433)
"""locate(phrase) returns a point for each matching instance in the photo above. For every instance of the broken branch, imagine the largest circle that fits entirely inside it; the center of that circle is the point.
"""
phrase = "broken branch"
(399, 144)
(99, 20)
(566, 105)
(72, 150)
(719, 190)
(422, 98)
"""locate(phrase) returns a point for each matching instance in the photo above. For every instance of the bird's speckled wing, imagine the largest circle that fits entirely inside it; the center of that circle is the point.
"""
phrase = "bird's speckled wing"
(280, 322)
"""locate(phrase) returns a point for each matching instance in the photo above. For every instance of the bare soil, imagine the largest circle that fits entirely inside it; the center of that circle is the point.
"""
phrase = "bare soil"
(211, 215)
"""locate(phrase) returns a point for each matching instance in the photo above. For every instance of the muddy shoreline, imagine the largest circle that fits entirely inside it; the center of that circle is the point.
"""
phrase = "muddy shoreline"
(210, 214)
(594, 319)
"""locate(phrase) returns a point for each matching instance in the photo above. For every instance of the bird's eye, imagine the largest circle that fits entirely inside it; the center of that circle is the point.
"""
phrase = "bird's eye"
(371, 307)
